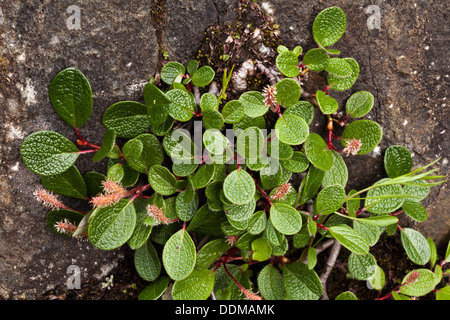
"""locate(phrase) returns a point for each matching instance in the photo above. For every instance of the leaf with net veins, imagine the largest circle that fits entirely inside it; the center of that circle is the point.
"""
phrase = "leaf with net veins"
(329, 26)
(179, 255)
(127, 118)
(48, 153)
(71, 96)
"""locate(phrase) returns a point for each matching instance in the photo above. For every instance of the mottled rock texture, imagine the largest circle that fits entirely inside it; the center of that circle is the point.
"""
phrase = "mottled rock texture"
(119, 47)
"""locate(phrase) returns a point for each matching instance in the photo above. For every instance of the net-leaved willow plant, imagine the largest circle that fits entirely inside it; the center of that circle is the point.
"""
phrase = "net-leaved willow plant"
(219, 215)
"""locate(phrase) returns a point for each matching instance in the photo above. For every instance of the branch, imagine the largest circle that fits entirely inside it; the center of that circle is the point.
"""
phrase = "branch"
(274, 76)
(329, 266)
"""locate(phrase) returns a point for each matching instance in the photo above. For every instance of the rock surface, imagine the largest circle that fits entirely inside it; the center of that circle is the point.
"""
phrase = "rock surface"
(119, 47)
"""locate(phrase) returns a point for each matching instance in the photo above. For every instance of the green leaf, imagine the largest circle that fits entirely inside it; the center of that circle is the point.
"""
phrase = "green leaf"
(337, 174)
(359, 104)
(152, 153)
(303, 109)
(287, 63)
(192, 66)
(48, 153)
(212, 119)
(416, 246)
(56, 217)
(155, 289)
(247, 122)
(384, 205)
(203, 76)
(277, 149)
(317, 152)
(71, 96)
(311, 225)
(312, 258)
(179, 255)
(329, 26)
(127, 118)
(182, 106)
(417, 192)
(273, 235)
(69, 183)
(93, 182)
(157, 103)
(210, 252)
(171, 71)
(112, 226)
(239, 187)
(380, 221)
(257, 223)
(184, 169)
(398, 296)
(271, 174)
(123, 173)
(367, 131)
(447, 253)
(397, 161)
(207, 221)
(353, 204)
(327, 104)
(270, 283)
(214, 141)
(197, 286)
(418, 283)
(330, 199)
(261, 249)
(179, 146)
(288, 92)
(339, 68)
(161, 180)
(109, 139)
(186, 210)
(316, 59)
(285, 218)
(350, 239)
(254, 105)
(147, 262)
(203, 175)
(301, 283)
(347, 295)
(342, 84)
(233, 111)
(237, 213)
(163, 128)
(297, 50)
(378, 280)
(310, 184)
(142, 231)
(433, 250)
(415, 210)
(153, 96)
(209, 101)
(297, 163)
(362, 267)
(443, 293)
(292, 129)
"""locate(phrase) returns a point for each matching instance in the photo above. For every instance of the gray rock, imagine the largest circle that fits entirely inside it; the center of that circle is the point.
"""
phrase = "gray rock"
(118, 47)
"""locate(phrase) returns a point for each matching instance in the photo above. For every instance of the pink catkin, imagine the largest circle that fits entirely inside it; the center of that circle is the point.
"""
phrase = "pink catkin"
(269, 93)
(281, 192)
(48, 199)
(65, 226)
(113, 192)
(157, 213)
(249, 295)
(353, 147)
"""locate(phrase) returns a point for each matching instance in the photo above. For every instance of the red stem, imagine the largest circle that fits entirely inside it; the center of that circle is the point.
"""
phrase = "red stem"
(263, 193)
(87, 151)
(82, 142)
